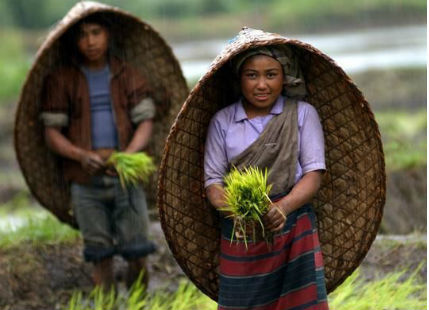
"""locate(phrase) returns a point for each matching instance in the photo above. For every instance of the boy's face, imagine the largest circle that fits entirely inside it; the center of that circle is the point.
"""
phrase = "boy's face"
(92, 42)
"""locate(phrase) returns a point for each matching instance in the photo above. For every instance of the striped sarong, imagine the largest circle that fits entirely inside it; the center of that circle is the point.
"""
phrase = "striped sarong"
(285, 275)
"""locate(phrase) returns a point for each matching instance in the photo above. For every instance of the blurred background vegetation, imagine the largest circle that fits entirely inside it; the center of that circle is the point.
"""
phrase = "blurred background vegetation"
(381, 44)
(296, 15)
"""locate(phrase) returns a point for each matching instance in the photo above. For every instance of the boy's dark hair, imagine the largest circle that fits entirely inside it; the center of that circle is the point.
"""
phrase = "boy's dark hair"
(69, 49)
(96, 18)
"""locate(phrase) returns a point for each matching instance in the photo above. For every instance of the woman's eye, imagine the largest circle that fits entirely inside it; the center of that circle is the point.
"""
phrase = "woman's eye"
(250, 75)
(271, 75)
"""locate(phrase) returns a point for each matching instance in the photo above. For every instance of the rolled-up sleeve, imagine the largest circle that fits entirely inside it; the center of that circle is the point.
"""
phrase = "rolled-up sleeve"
(54, 106)
(54, 119)
(141, 104)
(215, 159)
(143, 111)
(312, 145)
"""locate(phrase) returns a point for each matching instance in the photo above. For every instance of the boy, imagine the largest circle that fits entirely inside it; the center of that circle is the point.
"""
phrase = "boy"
(95, 105)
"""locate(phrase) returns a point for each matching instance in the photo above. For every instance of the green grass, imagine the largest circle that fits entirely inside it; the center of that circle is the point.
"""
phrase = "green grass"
(395, 291)
(389, 292)
(404, 138)
(292, 16)
(186, 297)
(320, 14)
(19, 201)
(14, 64)
(404, 124)
(36, 227)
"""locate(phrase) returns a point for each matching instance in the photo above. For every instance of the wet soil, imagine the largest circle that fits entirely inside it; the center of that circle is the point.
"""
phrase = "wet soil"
(44, 276)
(406, 200)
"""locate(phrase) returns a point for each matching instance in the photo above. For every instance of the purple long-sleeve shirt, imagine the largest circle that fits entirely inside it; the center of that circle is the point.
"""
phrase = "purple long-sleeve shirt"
(231, 132)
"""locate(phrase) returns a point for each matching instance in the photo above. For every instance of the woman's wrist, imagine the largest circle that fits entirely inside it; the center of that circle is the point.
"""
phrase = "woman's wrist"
(216, 195)
(284, 207)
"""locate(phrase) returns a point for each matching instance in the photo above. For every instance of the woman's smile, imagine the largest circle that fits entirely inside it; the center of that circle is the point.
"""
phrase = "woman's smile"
(262, 97)
(261, 84)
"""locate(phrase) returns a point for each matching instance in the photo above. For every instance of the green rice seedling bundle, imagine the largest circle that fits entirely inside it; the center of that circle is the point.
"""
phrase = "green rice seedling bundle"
(246, 194)
(132, 168)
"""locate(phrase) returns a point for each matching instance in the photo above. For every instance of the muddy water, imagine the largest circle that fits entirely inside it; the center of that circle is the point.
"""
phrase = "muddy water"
(355, 52)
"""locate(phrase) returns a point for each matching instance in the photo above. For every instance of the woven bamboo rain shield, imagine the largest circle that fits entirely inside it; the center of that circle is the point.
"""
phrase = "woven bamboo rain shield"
(139, 45)
(349, 205)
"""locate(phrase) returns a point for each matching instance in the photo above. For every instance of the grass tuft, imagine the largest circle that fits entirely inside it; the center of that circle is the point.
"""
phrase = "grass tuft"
(186, 297)
(41, 228)
(247, 200)
(390, 292)
(395, 291)
(132, 168)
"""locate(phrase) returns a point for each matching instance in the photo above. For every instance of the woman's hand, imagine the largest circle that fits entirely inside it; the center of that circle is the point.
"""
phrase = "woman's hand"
(216, 195)
(91, 162)
(301, 193)
(275, 219)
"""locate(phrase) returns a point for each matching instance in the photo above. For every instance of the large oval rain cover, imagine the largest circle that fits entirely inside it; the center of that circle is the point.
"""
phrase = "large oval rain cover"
(350, 203)
(136, 43)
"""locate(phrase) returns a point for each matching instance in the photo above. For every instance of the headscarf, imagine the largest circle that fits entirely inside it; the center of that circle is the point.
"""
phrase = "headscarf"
(293, 84)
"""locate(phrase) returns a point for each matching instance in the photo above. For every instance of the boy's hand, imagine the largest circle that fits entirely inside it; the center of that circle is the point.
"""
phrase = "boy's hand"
(91, 162)
(110, 171)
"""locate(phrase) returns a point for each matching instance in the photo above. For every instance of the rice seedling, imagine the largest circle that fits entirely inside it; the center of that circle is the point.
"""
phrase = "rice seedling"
(132, 168)
(395, 291)
(246, 194)
(186, 297)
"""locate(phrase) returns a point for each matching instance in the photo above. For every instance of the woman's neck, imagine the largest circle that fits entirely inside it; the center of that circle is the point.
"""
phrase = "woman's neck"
(252, 111)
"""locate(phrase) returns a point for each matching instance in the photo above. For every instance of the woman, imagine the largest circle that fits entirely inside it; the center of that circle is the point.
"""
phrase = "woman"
(269, 128)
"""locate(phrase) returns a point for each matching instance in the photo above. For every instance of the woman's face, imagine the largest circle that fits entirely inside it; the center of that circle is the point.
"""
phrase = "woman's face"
(261, 81)
(92, 42)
